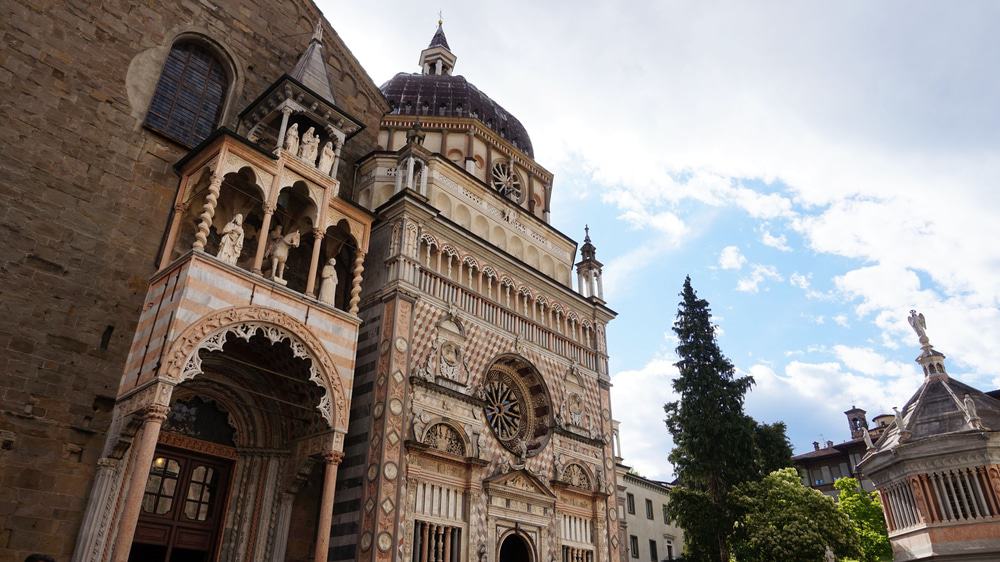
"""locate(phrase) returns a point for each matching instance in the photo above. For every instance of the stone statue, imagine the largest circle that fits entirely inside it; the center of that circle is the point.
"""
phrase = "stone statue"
(310, 145)
(277, 250)
(868, 439)
(481, 552)
(829, 556)
(231, 245)
(899, 418)
(326, 158)
(292, 139)
(328, 285)
(919, 325)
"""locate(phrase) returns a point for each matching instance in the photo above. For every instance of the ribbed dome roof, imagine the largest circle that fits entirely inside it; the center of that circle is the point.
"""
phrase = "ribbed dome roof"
(447, 95)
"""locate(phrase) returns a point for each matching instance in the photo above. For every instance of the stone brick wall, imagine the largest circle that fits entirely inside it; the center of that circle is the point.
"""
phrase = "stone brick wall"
(86, 193)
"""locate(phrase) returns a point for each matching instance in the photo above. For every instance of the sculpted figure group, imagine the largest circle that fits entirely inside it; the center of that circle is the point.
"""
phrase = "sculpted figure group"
(307, 148)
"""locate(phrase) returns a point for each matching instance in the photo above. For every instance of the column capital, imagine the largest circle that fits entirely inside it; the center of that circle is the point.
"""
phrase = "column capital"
(182, 207)
(269, 208)
(317, 233)
(156, 412)
(333, 457)
(287, 110)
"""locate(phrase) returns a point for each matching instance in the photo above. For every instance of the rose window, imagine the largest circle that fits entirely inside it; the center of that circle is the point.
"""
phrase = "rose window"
(516, 406)
(505, 408)
(507, 182)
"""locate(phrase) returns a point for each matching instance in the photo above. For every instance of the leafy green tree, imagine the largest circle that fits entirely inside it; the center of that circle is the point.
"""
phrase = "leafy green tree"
(785, 520)
(864, 510)
(772, 447)
(713, 441)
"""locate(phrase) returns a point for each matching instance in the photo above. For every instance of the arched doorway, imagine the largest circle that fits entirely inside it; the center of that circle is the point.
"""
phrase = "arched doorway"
(515, 549)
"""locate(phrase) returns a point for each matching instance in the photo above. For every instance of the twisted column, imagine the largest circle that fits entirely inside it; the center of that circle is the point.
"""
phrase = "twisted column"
(207, 213)
(359, 266)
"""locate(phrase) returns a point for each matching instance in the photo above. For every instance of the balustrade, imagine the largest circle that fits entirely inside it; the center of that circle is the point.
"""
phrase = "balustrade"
(506, 317)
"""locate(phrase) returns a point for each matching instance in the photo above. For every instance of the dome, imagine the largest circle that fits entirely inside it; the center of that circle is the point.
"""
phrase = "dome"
(453, 96)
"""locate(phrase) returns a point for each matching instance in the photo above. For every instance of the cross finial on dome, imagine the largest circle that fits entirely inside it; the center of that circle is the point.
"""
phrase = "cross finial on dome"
(586, 230)
(440, 19)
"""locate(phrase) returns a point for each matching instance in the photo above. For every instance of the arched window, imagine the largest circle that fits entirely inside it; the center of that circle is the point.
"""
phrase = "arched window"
(189, 96)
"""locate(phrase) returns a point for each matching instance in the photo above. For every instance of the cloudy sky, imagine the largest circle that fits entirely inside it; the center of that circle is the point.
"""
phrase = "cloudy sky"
(818, 168)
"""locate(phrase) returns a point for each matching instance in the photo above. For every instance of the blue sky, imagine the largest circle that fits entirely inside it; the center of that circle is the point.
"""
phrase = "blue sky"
(817, 168)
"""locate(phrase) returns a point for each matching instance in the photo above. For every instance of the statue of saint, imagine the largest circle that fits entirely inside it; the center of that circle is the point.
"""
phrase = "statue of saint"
(292, 139)
(970, 408)
(919, 325)
(310, 145)
(231, 244)
(899, 418)
(328, 283)
(326, 158)
(868, 440)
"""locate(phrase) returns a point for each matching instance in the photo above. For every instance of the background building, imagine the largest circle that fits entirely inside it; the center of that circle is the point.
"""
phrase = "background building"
(822, 466)
(652, 536)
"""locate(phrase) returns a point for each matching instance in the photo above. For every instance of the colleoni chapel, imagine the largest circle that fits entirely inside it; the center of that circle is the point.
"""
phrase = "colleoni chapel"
(271, 311)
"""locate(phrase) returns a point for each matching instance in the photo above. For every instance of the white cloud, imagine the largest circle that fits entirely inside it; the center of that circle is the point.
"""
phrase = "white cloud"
(779, 242)
(637, 402)
(801, 281)
(758, 274)
(731, 258)
(841, 320)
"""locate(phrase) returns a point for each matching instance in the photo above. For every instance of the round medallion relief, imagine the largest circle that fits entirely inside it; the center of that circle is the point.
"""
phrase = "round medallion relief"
(401, 345)
(395, 406)
(384, 541)
(377, 411)
(390, 471)
(366, 540)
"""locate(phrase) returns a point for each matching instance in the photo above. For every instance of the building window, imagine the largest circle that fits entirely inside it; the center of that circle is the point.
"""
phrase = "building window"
(652, 550)
(631, 503)
(670, 550)
(666, 516)
(188, 100)
(633, 543)
(649, 509)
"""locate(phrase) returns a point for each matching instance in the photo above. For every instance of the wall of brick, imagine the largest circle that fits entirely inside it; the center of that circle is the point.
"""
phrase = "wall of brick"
(86, 194)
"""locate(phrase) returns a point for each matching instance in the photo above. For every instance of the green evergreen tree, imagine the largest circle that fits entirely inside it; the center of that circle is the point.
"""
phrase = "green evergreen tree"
(784, 520)
(864, 510)
(713, 441)
(773, 449)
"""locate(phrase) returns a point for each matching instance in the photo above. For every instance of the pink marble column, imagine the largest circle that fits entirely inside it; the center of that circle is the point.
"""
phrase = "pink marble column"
(138, 474)
(326, 506)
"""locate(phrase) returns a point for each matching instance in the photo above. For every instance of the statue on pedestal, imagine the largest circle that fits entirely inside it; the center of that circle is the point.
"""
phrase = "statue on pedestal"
(310, 145)
(328, 283)
(231, 245)
(292, 139)
(326, 158)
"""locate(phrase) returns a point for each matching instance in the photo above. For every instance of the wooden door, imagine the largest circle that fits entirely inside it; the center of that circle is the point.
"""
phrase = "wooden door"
(181, 508)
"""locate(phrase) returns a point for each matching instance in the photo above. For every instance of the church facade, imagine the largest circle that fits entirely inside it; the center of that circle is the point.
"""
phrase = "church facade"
(268, 310)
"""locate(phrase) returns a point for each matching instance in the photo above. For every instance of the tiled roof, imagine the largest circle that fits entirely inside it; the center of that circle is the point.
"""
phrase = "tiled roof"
(454, 96)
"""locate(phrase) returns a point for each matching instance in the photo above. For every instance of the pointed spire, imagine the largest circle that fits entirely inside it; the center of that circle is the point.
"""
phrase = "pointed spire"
(439, 40)
(588, 251)
(437, 58)
(310, 70)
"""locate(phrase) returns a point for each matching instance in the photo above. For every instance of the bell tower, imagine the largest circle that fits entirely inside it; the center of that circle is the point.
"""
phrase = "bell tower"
(858, 422)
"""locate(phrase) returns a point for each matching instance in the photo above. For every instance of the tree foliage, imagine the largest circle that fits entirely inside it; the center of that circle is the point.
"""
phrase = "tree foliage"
(772, 447)
(864, 511)
(785, 520)
(713, 441)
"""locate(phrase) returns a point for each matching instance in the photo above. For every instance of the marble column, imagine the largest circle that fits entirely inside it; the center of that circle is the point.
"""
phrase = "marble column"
(142, 458)
(359, 267)
(314, 261)
(175, 225)
(208, 212)
(326, 506)
(265, 230)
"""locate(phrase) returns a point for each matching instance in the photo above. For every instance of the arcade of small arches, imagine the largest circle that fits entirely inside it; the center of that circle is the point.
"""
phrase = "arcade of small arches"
(464, 269)
(278, 232)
